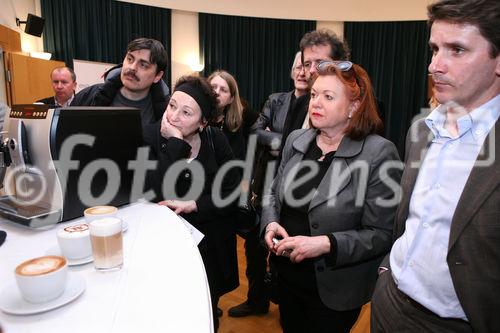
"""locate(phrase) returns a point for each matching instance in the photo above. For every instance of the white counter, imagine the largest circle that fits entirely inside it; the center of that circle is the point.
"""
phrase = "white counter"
(162, 286)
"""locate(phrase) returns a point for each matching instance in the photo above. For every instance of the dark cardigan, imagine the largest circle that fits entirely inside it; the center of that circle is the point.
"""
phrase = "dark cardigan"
(218, 248)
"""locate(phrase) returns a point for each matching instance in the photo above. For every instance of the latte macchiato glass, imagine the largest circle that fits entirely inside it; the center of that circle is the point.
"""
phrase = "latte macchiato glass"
(107, 243)
(42, 279)
(74, 241)
(99, 212)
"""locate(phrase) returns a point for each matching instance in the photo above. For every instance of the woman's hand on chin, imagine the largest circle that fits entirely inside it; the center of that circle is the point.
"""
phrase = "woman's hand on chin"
(180, 207)
(168, 130)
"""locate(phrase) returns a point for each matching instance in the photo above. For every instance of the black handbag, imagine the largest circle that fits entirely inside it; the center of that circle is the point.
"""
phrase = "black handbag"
(262, 158)
(247, 219)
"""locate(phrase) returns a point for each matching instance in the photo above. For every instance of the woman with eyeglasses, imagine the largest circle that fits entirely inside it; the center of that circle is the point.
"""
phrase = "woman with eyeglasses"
(329, 215)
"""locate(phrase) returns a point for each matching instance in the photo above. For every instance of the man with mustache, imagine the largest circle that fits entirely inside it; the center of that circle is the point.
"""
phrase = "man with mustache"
(443, 272)
(137, 82)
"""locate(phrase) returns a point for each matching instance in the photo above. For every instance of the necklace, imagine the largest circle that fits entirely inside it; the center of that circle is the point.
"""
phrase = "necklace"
(221, 121)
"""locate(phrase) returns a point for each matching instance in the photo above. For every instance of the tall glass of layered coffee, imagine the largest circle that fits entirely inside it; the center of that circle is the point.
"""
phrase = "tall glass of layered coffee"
(99, 212)
(107, 243)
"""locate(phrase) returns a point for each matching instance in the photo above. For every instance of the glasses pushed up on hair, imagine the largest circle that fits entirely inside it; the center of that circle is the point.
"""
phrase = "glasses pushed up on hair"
(343, 65)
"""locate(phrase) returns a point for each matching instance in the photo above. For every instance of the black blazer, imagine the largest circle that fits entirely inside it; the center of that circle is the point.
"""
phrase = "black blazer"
(273, 115)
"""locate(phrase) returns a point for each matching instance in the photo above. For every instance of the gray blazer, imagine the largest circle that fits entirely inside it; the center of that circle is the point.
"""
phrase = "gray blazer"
(273, 115)
(474, 244)
(363, 232)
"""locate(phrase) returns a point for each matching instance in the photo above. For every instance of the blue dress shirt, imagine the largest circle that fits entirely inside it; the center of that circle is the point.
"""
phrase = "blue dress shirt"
(418, 257)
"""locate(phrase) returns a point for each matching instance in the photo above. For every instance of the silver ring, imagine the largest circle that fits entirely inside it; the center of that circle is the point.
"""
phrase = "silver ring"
(284, 253)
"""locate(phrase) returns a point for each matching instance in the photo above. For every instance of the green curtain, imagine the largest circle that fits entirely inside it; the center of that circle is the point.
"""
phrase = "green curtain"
(100, 30)
(396, 56)
(259, 52)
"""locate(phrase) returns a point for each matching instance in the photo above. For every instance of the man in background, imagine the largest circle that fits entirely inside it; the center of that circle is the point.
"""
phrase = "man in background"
(64, 85)
(137, 82)
(443, 272)
(316, 46)
(268, 128)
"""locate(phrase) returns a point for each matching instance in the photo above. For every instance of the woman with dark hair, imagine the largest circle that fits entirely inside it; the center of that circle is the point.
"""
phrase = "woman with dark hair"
(328, 218)
(200, 151)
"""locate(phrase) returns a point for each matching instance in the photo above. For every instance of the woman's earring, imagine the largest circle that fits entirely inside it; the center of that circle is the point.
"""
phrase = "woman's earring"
(352, 108)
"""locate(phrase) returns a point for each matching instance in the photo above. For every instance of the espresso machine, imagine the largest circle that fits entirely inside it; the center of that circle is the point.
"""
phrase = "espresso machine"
(55, 162)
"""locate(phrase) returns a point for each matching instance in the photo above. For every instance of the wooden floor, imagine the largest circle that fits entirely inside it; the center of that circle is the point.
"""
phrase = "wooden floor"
(268, 323)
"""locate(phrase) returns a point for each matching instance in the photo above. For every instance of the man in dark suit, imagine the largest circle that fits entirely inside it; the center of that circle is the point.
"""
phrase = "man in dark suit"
(268, 128)
(443, 272)
(64, 85)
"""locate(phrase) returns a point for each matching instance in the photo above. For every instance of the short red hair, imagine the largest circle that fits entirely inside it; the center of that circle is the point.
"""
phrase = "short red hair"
(365, 120)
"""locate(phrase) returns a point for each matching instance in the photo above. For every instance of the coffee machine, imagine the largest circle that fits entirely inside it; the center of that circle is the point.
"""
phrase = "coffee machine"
(58, 161)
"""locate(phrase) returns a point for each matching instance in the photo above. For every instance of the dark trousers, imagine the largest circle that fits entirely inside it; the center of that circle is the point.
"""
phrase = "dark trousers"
(303, 312)
(215, 317)
(393, 311)
(256, 257)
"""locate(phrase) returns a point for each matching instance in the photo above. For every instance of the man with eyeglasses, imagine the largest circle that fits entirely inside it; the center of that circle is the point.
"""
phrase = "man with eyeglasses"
(268, 128)
(316, 46)
(443, 272)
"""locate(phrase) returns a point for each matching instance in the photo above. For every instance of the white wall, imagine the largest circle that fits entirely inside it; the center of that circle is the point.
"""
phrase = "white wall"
(185, 44)
(317, 10)
(10, 9)
(337, 27)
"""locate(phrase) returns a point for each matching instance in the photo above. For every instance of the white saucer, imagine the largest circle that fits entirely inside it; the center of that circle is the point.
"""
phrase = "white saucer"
(56, 251)
(11, 301)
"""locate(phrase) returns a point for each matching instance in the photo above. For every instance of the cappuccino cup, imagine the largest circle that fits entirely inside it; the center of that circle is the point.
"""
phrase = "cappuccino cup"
(42, 279)
(74, 241)
(99, 212)
(107, 243)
